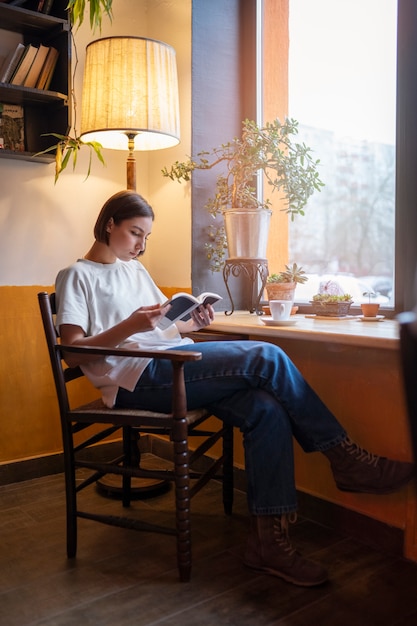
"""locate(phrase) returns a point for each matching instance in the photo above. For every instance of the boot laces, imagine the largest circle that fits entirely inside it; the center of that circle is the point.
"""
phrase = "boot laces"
(359, 453)
(281, 533)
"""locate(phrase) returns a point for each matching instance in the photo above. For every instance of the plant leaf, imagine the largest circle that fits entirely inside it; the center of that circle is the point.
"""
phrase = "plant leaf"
(77, 8)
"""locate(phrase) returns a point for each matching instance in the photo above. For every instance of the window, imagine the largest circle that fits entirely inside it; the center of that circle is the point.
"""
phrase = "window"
(378, 177)
(342, 90)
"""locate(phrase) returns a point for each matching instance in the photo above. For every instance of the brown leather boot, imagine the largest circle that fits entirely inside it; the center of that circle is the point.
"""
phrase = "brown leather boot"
(357, 470)
(269, 550)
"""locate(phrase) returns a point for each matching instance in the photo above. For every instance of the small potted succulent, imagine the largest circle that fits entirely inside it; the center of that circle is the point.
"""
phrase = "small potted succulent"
(331, 301)
(331, 305)
(282, 286)
(370, 309)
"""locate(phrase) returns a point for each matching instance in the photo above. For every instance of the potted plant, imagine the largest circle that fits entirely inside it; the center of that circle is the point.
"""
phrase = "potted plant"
(370, 309)
(330, 305)
(288, 167)
(282, 286)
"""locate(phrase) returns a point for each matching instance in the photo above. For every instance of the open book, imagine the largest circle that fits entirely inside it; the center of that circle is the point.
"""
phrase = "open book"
(182, 304)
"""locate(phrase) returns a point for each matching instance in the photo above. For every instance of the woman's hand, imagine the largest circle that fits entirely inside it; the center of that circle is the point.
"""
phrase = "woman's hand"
(147, 317)
(200, 317)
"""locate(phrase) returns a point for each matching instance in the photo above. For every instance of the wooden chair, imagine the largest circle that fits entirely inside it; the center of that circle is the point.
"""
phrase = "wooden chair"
(180, 425)
(408, 351)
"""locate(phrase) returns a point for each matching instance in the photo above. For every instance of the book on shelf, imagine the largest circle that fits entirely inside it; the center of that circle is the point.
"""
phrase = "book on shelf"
(47, 70)
(11, 62)
(12, 127)
(182, 304)
(36, 67)
(24, 66)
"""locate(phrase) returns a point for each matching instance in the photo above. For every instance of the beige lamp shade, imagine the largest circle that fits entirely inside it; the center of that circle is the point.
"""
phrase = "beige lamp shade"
(130, 87)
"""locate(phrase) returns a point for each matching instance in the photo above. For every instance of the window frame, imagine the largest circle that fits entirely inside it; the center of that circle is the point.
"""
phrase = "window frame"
(405, 255)
(406, 158)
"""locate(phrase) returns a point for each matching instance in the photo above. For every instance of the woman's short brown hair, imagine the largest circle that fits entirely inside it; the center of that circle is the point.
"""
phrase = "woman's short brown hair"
(121, 206)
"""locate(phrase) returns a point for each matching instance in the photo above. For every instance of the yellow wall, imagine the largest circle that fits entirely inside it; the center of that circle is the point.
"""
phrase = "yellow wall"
(26, 399)
(29, 425)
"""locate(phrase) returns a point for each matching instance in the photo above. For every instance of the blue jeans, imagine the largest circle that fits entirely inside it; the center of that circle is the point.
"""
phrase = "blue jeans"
(256, 387)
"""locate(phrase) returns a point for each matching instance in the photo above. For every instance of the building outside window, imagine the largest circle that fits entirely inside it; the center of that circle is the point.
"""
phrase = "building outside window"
(342, 90)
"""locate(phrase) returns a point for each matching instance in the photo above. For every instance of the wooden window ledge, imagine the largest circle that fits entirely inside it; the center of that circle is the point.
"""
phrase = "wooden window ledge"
(351, 331)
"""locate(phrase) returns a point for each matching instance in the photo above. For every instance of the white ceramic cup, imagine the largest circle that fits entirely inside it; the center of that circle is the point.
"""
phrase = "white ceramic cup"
(280, 309)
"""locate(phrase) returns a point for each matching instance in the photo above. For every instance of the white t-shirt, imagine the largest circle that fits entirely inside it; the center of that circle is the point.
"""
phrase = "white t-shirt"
(96, 297)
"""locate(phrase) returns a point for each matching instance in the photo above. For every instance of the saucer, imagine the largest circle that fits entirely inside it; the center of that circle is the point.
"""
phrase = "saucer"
(377, 318)
(268, 321)
(326, 318)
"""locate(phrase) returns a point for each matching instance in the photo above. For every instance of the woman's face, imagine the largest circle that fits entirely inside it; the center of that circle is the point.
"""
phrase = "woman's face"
(128, 238)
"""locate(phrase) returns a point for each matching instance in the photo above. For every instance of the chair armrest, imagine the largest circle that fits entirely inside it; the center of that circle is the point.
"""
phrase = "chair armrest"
(171, 355)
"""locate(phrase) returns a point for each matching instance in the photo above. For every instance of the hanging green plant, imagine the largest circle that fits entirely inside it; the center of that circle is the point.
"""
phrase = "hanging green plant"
(98, 8)
(67, 147)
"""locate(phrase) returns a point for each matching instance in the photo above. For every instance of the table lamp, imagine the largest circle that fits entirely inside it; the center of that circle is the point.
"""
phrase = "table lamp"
(130, 96)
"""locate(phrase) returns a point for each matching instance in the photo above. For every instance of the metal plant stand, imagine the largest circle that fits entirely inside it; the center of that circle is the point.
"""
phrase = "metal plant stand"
(255, 272)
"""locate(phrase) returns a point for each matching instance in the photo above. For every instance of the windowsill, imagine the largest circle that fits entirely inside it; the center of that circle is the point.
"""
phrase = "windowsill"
(352, 331)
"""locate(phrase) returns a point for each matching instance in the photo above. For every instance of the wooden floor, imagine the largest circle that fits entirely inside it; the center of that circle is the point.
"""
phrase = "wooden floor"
(122, 577)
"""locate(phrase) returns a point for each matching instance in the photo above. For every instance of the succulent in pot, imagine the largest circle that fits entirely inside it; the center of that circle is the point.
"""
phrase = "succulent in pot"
(331, 305)
(281, 286)
(370, 309)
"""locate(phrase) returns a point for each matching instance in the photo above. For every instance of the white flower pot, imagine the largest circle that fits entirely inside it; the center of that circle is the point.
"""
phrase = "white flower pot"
(247, 232)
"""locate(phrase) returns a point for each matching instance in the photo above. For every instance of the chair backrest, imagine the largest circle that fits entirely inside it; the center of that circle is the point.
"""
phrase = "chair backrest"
(62, 374)
(408, 350)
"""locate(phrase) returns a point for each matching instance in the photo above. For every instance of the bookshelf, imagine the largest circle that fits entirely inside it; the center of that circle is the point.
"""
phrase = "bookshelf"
(45, 111)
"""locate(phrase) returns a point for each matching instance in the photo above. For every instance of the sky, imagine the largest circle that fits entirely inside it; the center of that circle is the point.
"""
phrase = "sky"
(343, 66)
